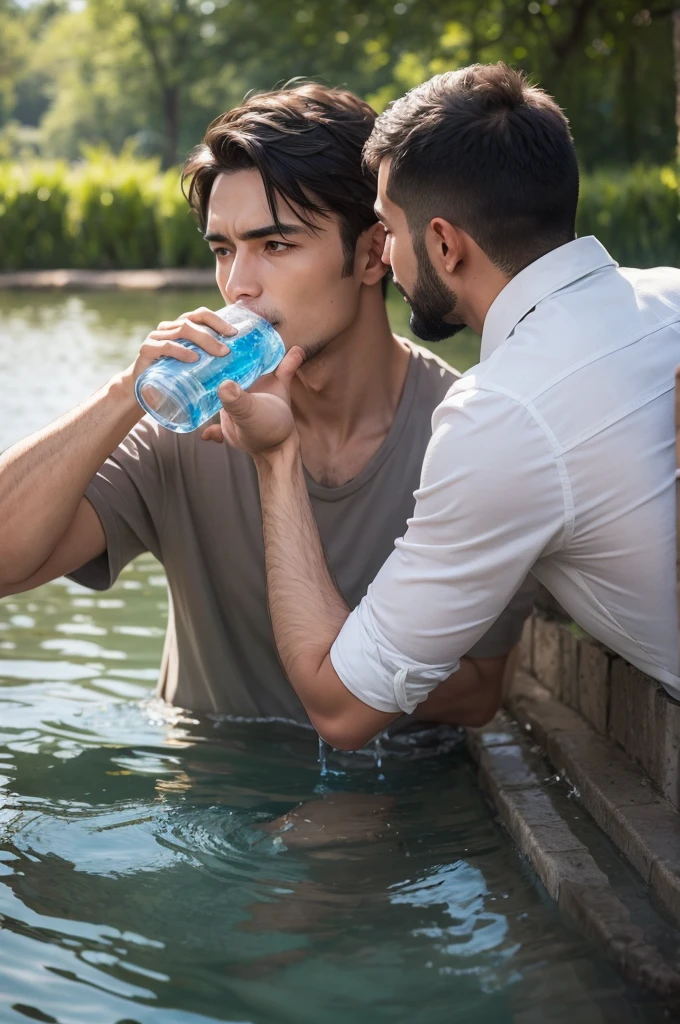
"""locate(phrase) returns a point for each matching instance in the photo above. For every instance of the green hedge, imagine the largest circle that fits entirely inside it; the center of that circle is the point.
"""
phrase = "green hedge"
(635, 213)
(121, 212)
(106, 213)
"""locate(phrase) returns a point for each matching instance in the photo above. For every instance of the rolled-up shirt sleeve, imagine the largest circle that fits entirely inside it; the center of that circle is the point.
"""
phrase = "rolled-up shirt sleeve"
(493, 499)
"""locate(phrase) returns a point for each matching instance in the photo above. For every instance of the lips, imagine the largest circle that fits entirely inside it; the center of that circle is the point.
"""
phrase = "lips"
(273, 322)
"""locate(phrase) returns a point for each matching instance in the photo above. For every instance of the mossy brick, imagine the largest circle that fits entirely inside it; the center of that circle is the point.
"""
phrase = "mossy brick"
(569, 660)
(645, 721)
(526, 646)
(667, 728)
(593, 684)
(547, 654)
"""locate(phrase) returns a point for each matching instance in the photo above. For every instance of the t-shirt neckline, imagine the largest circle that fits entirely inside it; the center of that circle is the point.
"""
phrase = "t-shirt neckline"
(322, 493)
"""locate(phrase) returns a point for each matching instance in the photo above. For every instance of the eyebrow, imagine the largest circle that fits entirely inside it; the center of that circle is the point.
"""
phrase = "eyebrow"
(263, 232)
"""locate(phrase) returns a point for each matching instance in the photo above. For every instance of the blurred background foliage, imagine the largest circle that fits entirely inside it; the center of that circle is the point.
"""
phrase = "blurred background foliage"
(107, 212)
(101, 99)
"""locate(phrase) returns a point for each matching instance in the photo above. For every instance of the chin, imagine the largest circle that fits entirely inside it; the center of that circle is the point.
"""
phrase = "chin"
(432, 332)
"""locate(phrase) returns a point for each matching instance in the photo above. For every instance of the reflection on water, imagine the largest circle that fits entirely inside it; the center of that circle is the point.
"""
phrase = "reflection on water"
(159, 868)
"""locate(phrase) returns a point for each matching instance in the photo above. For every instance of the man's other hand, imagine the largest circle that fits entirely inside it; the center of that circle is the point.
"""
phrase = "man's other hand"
(260, 420)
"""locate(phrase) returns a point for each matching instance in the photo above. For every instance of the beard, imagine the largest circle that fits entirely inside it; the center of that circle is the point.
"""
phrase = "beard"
(433, 304)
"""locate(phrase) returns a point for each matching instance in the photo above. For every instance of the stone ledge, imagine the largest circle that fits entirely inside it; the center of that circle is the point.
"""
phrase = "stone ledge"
(109, 280)
(617, 700)
(562, 861)
(613, 789)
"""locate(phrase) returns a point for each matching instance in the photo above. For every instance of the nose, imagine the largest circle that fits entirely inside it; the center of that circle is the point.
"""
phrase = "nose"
(242, 282)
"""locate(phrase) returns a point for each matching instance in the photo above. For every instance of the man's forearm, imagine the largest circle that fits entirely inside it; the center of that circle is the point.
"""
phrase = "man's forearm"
(43, 478)
(306, 608)
(469, 697)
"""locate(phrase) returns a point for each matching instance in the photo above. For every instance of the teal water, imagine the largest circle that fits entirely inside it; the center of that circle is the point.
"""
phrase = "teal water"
(161, 868)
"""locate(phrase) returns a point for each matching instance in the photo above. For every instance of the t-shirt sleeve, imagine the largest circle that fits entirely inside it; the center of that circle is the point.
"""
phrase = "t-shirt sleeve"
(128, 495)
(491, 503)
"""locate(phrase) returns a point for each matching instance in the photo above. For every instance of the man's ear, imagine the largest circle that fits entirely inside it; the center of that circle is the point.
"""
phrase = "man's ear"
(445, 245)
(370, 247)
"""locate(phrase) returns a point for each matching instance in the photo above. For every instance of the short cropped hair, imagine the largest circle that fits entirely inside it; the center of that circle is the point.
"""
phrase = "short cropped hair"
(488, 152)
(306, 140)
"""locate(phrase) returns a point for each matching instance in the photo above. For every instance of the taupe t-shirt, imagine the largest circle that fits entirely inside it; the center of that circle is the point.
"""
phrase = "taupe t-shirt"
(195, 505)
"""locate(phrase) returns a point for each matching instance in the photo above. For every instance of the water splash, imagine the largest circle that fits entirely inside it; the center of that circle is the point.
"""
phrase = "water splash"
(378, 754)
(374, 750)
(323, 760)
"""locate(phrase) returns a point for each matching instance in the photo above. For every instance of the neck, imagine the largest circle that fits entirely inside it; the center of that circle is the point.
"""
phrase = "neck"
(354, 384)
(485, 285)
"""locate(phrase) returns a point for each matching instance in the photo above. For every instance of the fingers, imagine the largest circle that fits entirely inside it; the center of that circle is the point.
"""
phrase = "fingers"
(188, 331)
(239, 404)
(210, 319)
(213, 433)
(152, 350)
(200, 327)
(289, 365)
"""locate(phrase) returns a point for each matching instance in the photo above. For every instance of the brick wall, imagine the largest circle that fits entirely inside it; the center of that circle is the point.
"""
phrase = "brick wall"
(618, 700)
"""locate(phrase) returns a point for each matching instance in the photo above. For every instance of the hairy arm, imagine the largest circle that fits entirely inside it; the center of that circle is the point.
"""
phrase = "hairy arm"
(306, 609)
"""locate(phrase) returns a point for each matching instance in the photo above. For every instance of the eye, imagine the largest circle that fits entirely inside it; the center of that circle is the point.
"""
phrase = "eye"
(221, 252)
(278, 247)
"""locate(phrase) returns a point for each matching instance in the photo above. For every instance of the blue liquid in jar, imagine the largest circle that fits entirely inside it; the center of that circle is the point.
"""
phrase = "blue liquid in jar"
(182, 396)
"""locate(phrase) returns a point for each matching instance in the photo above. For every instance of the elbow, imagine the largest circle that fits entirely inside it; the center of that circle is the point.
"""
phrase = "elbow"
(479, 718)
(343, 734)
(8, 588)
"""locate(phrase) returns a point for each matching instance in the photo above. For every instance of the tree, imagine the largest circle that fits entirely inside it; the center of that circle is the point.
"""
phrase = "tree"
(168, 31)
(160, 70)
(14, 43)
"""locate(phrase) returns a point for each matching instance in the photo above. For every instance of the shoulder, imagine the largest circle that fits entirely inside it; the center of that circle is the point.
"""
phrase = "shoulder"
(489, 453)
(657, 283)
(661, 277)
(491, 426)
(148, 442)
(150, 445)
(434, 376)
(160, 461)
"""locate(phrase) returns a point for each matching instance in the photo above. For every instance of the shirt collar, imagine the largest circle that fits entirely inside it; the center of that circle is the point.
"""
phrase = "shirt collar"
(555, 270)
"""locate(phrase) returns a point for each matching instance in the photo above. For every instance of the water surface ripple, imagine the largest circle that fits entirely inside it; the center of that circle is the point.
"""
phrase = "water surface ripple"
(160, 867)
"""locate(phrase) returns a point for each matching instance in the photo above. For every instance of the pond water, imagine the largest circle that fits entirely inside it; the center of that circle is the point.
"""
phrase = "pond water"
(160, 868)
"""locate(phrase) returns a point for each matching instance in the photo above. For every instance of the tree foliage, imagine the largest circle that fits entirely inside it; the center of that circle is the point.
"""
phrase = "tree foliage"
(157, 71)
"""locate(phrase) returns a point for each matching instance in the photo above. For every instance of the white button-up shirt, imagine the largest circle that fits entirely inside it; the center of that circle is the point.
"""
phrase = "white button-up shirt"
(555, 455)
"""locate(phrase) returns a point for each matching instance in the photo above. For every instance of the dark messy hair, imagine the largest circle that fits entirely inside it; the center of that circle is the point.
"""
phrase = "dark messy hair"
(306, 141)
(486, 151)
